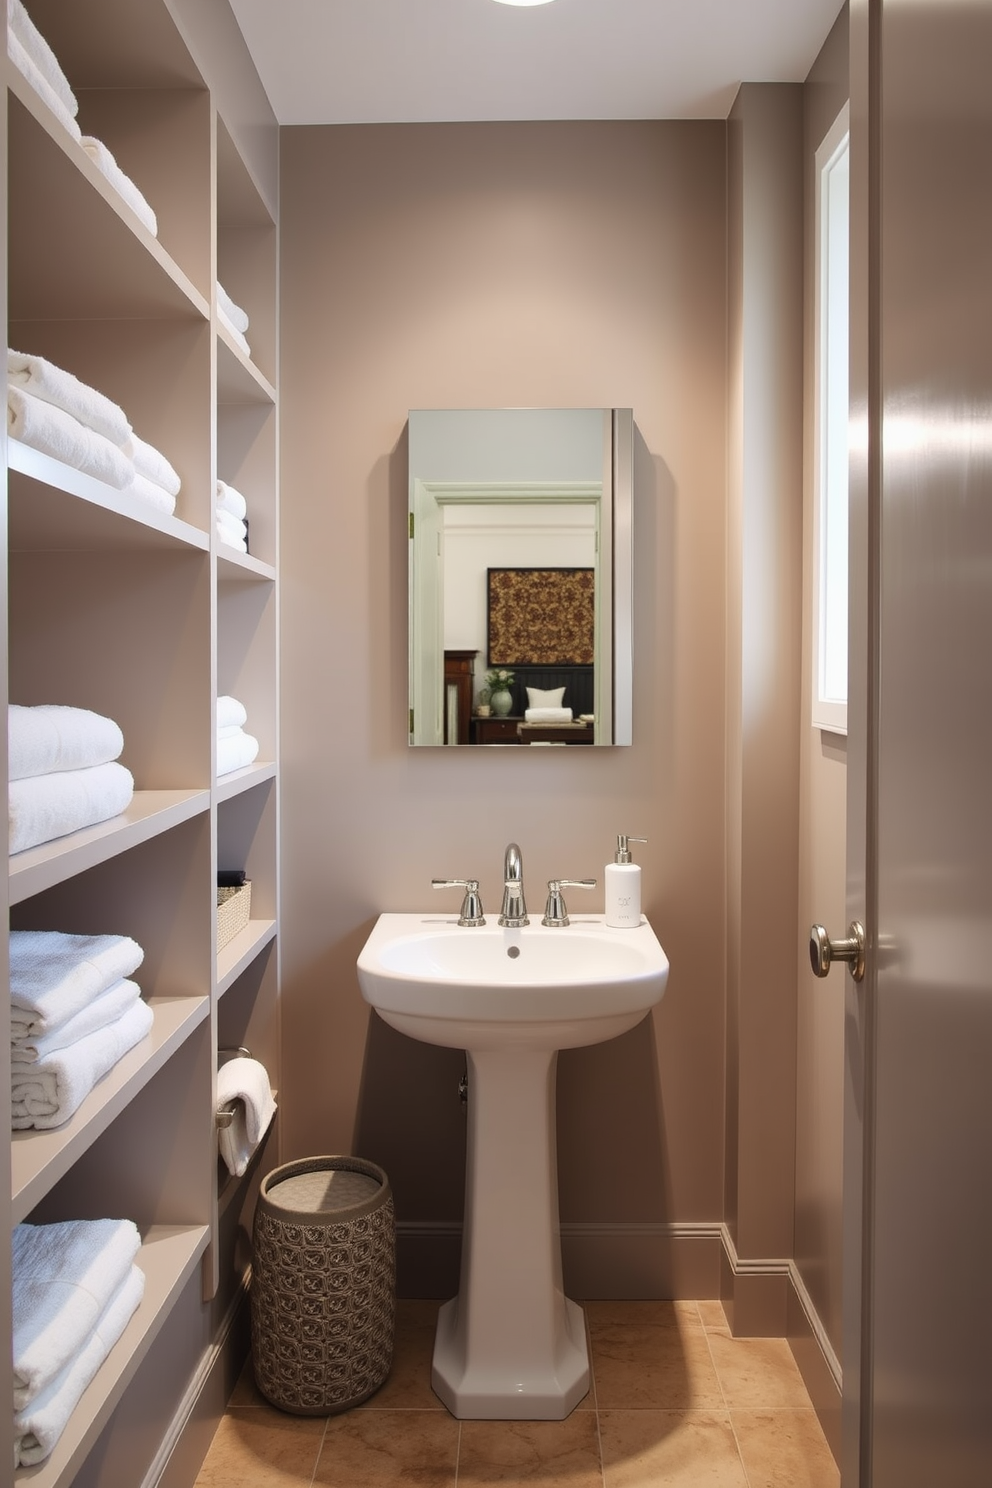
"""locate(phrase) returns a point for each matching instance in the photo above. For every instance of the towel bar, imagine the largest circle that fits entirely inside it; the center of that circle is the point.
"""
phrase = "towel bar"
(226, 1114)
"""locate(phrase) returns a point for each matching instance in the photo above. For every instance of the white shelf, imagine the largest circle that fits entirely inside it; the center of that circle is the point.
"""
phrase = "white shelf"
(38, 1159)
(241, 951)
(150, 812)
(242, 568)
(236, 782)
(238, 379)
(168, 1257)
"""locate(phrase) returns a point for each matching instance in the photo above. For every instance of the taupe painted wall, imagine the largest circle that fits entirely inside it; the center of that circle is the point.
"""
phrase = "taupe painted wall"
(490, 265)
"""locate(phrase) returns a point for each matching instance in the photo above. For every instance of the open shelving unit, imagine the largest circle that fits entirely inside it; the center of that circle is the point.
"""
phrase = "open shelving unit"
(147, 618)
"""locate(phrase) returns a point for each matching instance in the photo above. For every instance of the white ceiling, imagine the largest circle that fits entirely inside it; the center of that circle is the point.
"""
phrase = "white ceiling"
(416, 61)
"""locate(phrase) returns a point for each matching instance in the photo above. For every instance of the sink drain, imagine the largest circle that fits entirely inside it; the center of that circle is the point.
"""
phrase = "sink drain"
(513, 952)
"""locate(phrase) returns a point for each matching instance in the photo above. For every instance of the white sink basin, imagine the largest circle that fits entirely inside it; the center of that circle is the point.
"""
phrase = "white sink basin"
(486, 987)
(511, 1345)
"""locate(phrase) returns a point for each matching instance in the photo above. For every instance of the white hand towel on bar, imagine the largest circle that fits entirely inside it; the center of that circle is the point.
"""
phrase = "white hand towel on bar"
(38, 1427)
(106, 1008)
(231, 501)
(63, 1274)
(44, 1095)
(235, 751)
(43, 379)
(23, 27)
(234, 314)
(54, 975)
(244, 1084)
(547, 715)
(150, 462)
(230, 713)
(49, 806)
(52, 737)
(145, 490)
(33, 75)
(54, 432)
(122, 184)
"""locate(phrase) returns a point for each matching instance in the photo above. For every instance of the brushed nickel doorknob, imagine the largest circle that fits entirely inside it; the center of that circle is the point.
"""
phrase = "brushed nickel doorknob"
(823, 951)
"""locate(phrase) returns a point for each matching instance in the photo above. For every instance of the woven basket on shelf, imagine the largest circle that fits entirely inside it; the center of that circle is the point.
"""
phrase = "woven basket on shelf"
(233, 912)
(323, 1285)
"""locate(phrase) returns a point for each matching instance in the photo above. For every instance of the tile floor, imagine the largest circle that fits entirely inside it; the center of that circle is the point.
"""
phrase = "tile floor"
(675, 1401)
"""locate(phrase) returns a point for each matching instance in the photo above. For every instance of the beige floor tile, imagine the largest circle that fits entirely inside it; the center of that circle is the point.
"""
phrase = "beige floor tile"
(655, 1314)
(265, 1448)
(408, 1385)
(757, 1373)
(246, 1394)
(784, 1449)
(670, 1449)
(712, 1315)
(386, 1449)
(652, 1360)
(564, 1453)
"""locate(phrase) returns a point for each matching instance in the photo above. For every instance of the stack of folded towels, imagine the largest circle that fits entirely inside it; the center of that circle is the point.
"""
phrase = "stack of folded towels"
(545, 706)
(235, 748)
(74, 1012)
(38, 64)
(75, 1288)
(243, 1088)
(52, 411)
(233, 319)
(64, 773)
(230, 516)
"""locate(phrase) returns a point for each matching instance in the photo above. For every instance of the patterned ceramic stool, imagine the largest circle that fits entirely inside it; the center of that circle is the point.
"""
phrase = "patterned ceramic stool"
(323, 1286)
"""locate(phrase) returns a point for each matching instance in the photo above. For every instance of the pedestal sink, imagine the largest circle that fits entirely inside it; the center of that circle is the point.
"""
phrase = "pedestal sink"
(511, 1345)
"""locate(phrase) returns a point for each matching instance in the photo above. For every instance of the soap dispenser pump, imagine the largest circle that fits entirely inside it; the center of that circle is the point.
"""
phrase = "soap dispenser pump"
(623, 887)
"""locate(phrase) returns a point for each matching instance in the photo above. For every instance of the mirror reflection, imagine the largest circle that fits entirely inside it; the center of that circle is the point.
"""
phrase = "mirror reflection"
(520, 576)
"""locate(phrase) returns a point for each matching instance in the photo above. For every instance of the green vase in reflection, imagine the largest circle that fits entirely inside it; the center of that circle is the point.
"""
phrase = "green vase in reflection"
(501, 703)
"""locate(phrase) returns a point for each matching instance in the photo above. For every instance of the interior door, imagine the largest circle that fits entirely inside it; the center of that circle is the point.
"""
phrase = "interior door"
(918, 1117)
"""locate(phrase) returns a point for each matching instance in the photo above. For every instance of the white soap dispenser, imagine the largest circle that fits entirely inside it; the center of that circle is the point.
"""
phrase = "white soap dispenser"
(623, 887)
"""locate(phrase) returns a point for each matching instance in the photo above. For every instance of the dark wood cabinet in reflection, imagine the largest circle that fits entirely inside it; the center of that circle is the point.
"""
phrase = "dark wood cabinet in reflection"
(459, 683)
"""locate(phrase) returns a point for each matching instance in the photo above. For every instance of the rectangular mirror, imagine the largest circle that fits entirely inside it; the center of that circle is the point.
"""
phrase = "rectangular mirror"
(520, 576)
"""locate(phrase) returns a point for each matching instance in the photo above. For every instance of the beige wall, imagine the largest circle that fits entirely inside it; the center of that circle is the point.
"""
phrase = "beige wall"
(490, 265)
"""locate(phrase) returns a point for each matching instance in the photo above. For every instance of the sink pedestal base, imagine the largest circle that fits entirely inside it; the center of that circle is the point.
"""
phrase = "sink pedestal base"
(511, 1346)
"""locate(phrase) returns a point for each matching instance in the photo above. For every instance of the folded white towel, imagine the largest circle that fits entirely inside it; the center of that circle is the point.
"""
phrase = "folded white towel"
(52, 384)
(49, 806)
(245, 1084)
(38, 1427)
(230, 731)
(146, 491)
(236, 317)
(547, 715)
(230, 713)
(239, 544)
(122, 184)
(106, 1008)
(51, 737)
(63, 1274)
(235, 751)
(45, 1094)
(23, 27)
(55, 432)
(231, 501)
(151, 462)
(231, 531)
(33, 75)
(237, 336)
(54, 975)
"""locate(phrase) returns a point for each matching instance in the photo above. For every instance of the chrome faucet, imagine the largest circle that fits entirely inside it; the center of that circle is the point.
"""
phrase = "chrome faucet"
(514, 911)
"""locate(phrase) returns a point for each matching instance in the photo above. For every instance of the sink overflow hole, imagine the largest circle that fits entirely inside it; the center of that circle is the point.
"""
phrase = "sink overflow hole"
(513, 952)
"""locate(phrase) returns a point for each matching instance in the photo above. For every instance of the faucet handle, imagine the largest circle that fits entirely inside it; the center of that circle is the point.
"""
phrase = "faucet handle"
(555, 913)
(471, 911)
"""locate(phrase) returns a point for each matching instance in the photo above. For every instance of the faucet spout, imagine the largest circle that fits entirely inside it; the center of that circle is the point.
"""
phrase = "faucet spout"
(514, 910)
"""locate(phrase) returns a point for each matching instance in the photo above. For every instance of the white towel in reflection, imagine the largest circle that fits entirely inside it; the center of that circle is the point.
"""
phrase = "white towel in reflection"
(235, 751)
(232, 532)
(230, 713)
(54, 432)
(236, 318)
(23, 27)
(63, 1274)
(52, 384)
(547, 715)
(33, 75)
(38, 1427)
(106, 1008)
(54, 975)
(122, 184)
(244, 1084)
(48, 806)
(151, 462)
(231, 501)
(45, 1094)
(145, 490)
(51, 737)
